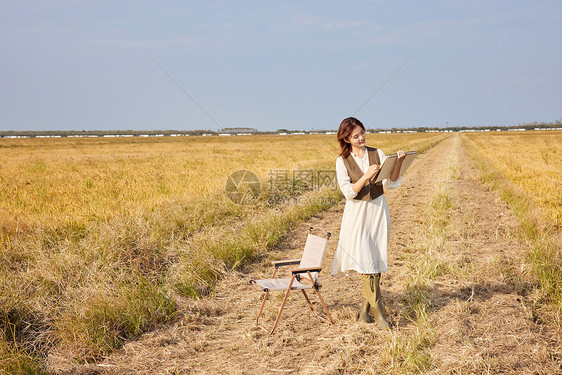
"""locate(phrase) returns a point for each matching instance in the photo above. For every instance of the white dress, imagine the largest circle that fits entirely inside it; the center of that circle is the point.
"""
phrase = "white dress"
(365, 225)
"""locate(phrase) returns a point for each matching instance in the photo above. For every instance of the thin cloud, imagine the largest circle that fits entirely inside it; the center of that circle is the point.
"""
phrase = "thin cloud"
(346, 25)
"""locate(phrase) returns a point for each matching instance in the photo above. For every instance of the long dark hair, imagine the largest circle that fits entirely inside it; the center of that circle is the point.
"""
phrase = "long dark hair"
(346, 128)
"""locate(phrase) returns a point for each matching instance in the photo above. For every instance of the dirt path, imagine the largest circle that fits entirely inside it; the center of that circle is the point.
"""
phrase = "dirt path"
(478, 319)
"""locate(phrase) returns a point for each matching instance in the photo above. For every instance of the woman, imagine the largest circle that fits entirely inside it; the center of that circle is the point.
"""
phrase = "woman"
(365, 224)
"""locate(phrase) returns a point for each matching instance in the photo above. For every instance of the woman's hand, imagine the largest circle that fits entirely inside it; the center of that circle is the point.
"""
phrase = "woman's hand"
(372, 171)
(401, 155)
(366, 178)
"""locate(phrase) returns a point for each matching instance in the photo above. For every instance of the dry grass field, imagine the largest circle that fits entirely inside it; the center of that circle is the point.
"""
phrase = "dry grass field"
(467, 291)
(100, 238)
(531, 160)
(525, 169)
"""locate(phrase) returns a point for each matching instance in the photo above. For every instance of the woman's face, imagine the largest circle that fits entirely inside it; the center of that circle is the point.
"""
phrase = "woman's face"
(357, 137)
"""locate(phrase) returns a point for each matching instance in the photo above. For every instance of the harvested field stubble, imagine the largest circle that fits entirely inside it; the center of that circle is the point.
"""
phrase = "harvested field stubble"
(530, 160)
(525, 170)
(99, 235)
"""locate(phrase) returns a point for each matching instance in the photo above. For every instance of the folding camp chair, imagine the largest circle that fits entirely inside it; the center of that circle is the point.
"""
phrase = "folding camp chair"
(303, 277)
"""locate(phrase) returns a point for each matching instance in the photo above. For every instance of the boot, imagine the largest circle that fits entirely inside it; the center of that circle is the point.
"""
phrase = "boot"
(364, 311)
(371, 284)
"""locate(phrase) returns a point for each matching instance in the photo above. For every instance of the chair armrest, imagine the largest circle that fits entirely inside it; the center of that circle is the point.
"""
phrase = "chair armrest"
(287, 262)
(305, 270)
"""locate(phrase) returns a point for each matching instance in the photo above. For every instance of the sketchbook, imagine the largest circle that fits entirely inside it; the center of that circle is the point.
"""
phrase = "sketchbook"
(388, 165)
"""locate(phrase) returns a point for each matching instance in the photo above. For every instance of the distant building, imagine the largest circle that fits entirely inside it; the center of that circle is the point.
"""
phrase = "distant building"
(238, 130)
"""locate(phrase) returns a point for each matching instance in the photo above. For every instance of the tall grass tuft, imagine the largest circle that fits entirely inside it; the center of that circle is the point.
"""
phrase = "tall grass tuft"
(15, 361)
(97, 321)
(18, 328)
(411, 353)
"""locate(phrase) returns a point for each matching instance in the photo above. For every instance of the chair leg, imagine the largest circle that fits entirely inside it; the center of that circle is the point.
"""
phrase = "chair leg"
(308, 300)
(283, 304)
(262, 306)
(325, 307)
(314, 311)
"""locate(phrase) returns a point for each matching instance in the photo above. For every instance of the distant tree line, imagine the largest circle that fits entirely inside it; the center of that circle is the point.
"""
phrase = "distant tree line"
(138, 133)
(101, 133)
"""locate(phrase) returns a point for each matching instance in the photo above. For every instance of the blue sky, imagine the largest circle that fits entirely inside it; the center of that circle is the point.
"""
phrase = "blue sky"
(85, 65)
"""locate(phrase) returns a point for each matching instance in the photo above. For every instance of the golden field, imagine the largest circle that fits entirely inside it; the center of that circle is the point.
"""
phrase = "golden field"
(532, 160)
(60, 181)
(98, 236)
(524, 167)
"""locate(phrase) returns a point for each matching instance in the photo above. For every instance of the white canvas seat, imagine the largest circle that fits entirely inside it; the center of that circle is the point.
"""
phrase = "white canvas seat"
(305, 276)
(281, 284)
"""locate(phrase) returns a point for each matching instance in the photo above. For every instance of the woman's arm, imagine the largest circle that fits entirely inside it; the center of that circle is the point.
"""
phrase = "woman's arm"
(401, 155)
(348, 189)
(344, 181)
